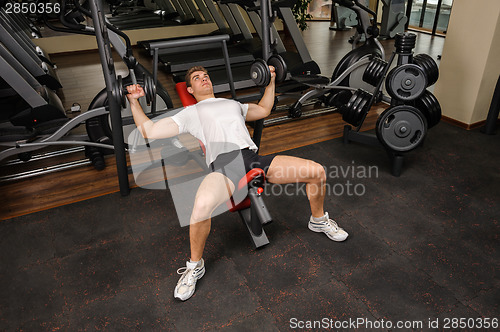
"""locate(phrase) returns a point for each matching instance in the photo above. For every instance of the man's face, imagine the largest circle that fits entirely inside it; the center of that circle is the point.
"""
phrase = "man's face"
(200, 83)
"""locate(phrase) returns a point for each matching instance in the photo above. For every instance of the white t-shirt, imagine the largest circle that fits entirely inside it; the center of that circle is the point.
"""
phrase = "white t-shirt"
(218, 123)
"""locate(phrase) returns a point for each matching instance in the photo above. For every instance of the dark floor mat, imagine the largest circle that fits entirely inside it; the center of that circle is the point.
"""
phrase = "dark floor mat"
(422, 247)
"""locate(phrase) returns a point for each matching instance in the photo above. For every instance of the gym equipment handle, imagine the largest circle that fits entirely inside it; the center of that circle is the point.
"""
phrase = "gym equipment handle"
(189, 41)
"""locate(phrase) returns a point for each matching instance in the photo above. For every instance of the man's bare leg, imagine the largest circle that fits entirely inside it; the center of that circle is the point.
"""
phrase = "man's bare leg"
(213, 191)
(288, 169)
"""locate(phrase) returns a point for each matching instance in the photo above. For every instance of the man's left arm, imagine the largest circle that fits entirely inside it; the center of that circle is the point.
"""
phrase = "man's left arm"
(265, 105)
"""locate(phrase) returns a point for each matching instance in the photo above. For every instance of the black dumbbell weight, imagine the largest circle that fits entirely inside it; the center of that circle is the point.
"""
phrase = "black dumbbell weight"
(261, 74)
(147, 84)
(149, 88)
(280, 67)
(120, 92)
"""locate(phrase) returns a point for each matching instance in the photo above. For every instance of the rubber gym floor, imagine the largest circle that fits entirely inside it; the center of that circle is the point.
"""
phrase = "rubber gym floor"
(423, 248)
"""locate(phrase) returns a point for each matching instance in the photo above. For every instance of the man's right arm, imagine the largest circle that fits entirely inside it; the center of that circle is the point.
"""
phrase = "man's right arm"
(163, 128)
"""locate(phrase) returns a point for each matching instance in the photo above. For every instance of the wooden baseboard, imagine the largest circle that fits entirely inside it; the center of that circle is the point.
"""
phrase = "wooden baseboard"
(466, 126)
(476, 125)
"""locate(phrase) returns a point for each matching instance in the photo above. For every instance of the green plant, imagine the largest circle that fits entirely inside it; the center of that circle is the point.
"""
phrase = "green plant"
(300, 11)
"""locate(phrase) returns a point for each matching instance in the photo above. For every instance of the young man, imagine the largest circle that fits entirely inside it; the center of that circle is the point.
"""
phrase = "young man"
(213, 120)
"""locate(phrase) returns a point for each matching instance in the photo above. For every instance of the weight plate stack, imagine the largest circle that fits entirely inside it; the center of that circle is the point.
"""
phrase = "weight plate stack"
(338, 99)
(406, 82)
(429, 106)
(401, 128)
(356, 108)
(374, 72)
(405, 42)
(429, 66)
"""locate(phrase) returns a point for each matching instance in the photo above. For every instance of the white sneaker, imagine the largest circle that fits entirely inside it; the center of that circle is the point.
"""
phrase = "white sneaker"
(189, 276)
(329, 227)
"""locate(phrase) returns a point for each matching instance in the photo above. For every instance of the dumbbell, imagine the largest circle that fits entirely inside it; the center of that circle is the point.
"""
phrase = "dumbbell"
(121, 92)
(261, 74)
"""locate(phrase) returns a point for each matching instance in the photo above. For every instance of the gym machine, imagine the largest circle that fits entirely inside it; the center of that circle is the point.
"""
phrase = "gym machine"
(27, 56)
(108, 113)
(179, 59)
(126, 16)
(170, 12)
(242, 52)
(347, 75)
(30, 103)
(134, 7)
(16, 31)
(209, 10)
(342, 17)
(23, 23)
(298, 62)
(393, 18)
(38, 119)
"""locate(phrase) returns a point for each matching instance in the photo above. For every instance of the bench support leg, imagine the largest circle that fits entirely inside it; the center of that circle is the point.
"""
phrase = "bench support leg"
(258, 240)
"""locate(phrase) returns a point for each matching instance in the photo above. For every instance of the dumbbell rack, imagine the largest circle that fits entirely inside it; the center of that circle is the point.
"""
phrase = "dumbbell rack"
(411, 120)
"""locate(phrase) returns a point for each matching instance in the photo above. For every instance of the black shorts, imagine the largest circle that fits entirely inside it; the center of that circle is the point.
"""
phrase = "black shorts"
(225, 163)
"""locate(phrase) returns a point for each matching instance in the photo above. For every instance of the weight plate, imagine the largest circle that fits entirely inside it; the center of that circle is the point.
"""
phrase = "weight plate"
(356, 108)
(429, 66)
(405, 42)
(347, 109)
(406, 82)
(149, 88)
(354, 79)
(401, 128)
(280, 67)
(338, 99)
(260, 73)
(120, 95)
(429, 106)
(374, 72)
